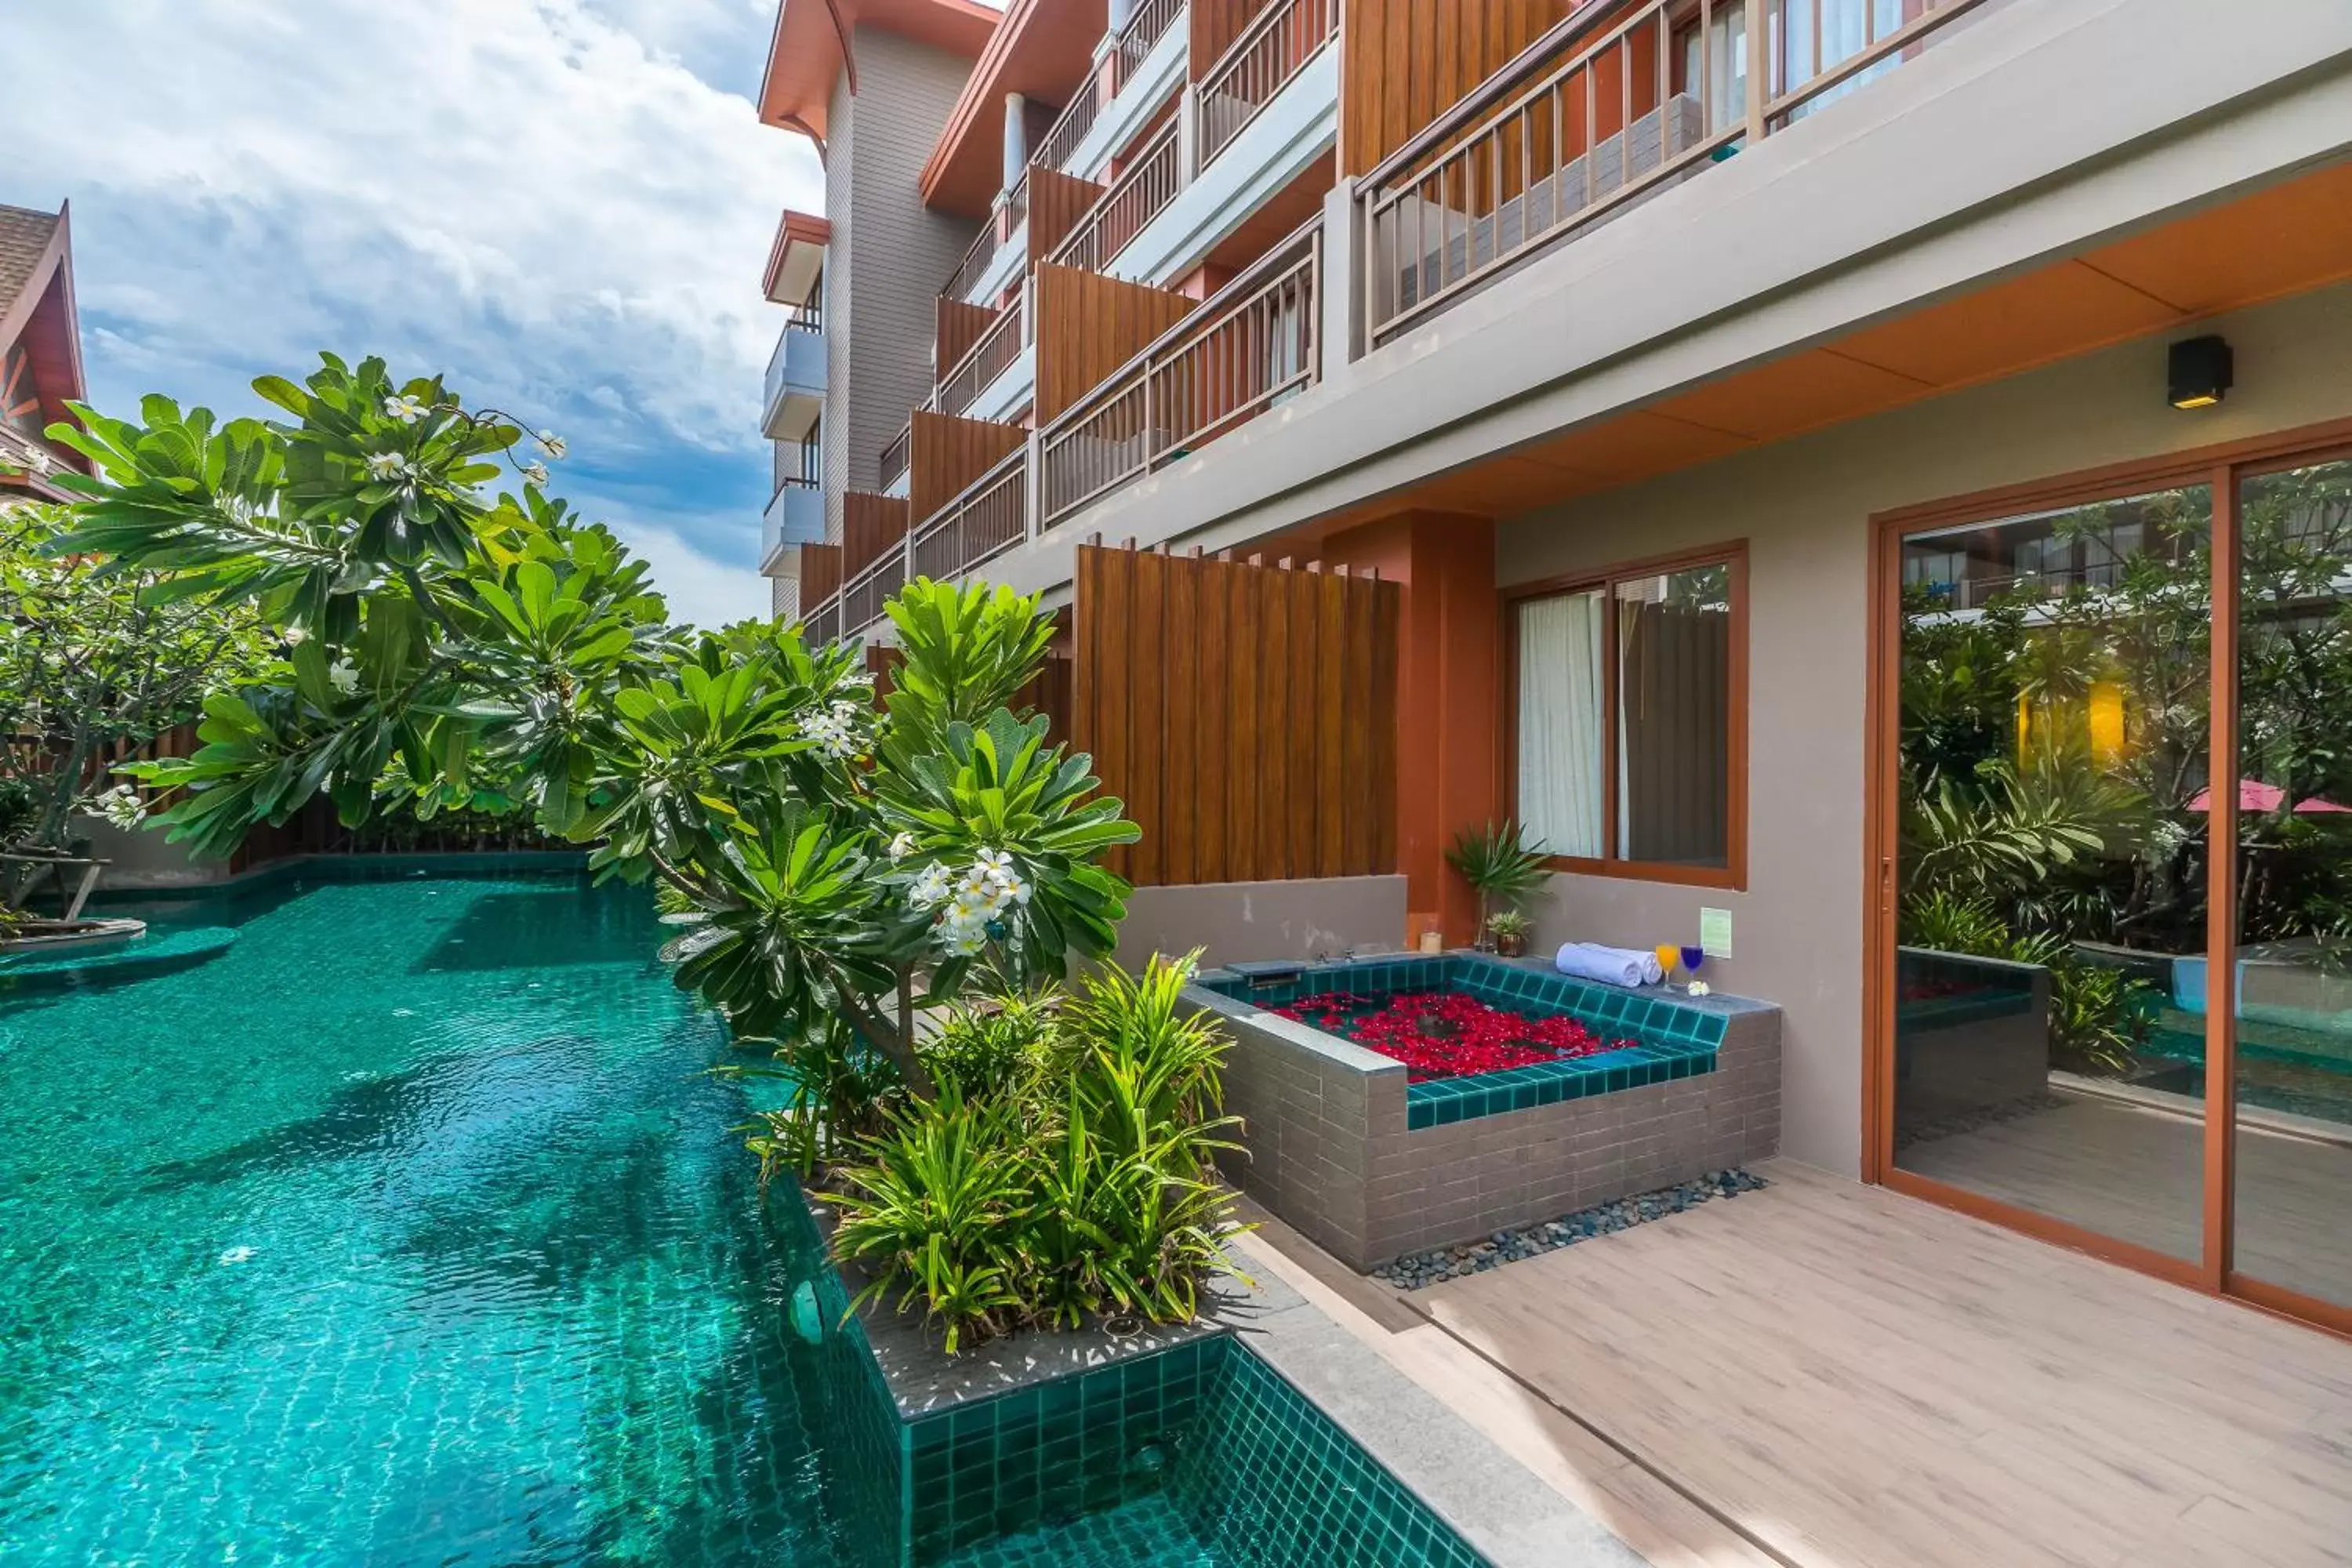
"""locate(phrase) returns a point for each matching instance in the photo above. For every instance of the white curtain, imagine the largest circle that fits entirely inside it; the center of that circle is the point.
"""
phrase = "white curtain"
(1561, 743)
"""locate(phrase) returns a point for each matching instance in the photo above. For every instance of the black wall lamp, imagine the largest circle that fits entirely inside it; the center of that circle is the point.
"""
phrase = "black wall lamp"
(2197, 373)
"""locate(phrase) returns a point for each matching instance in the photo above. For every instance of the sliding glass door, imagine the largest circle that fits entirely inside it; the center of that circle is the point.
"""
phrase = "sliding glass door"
(2113, 827)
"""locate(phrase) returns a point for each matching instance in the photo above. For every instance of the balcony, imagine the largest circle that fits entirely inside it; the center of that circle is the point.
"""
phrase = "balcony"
(796, 377)
(1147, 183)
(990, 516)
(1149, 61)
(970, 387)
(1252, 345)
(795, 516)
(891, 473)
(1601, 113)
(997, 253)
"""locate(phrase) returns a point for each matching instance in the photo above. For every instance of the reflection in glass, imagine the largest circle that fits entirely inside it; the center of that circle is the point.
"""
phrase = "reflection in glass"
(1673, 718)
(2054, 728)
(2294, 1064)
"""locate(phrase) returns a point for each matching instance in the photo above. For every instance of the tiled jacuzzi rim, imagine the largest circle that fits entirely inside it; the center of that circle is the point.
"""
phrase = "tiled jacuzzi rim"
(1501, 1512)
(1688, 1030)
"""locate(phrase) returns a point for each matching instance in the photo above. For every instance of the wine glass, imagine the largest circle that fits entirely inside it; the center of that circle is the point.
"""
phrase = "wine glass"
(1666, 953)
(1692, 958)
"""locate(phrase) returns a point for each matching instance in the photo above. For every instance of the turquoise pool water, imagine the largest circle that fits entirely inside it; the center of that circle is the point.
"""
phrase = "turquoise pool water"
(408, 1230)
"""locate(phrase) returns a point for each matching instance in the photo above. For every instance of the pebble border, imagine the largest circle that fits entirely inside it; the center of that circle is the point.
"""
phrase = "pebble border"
(1421, 1270)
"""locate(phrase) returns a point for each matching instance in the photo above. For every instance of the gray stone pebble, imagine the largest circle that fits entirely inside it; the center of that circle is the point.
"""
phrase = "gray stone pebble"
(1423, 1268)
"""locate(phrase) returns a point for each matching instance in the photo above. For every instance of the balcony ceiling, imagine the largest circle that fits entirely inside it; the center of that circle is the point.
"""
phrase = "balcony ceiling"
(796, 256)
(1044, 50)
(811, 48)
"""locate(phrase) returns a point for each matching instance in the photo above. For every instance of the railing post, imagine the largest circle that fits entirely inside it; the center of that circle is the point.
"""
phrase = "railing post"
(1341, 276)
(1759, 69)
(1033, 485)
(1188, 135)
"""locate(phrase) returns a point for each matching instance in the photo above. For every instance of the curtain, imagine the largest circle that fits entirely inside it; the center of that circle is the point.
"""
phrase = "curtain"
(1561, 736)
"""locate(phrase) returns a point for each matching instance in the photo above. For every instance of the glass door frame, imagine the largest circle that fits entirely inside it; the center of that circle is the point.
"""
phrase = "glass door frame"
(2224, 467)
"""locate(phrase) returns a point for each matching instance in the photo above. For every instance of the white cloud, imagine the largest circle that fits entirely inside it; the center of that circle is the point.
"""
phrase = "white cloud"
(538, 197)
(700, 590)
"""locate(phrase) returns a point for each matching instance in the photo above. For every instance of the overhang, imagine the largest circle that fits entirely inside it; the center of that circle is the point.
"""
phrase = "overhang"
(809, 49)
(796, 257)
(1044, 50)
(37, 302)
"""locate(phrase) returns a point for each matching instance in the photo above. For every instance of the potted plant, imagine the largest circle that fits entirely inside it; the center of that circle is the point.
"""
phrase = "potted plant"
(1509, 929)
(1500, 866)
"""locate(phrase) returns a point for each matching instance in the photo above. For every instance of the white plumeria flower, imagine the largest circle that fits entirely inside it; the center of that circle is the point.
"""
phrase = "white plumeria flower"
(1700, 988)
(36, 461)
(405, 408)
(295, 637)
(930, 888)
(1018, 890)
(387, 465)
(555, 444)
(902, 846)
(535, 472)
(344, 677)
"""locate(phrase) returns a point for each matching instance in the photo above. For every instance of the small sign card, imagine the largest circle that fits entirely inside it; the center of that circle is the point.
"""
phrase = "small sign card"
(1714, 932)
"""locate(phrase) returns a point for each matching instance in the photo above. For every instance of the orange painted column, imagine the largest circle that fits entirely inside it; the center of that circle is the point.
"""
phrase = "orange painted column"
(1449, 699)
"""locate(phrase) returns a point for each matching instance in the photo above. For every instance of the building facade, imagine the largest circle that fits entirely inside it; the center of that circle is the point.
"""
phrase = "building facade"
(1865, 480)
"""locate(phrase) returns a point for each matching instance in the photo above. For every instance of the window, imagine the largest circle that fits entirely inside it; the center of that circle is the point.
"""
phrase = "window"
(1629, 719)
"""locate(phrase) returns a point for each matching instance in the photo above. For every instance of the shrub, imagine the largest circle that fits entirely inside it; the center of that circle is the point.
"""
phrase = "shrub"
(1064, 1172)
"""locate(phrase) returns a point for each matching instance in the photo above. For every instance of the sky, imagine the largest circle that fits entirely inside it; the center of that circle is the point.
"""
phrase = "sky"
(564, 206)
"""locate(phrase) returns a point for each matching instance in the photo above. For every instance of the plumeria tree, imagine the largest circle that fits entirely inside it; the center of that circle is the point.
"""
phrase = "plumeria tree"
(96, 660)
(834, 862)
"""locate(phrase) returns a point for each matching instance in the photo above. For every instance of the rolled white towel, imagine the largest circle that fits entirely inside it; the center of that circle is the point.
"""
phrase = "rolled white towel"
(1609, 965)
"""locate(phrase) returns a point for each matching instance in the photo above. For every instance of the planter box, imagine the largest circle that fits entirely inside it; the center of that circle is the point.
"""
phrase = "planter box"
(1371, 1168)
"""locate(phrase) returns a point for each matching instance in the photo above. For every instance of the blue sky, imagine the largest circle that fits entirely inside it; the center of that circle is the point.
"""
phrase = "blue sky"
(564, 206)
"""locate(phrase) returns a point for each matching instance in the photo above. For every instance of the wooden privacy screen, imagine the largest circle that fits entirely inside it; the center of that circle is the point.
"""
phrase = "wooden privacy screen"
(1057, 203)
(1216, 24)
(959, 327)
(870, 524)
(821, 571)
(1088, 326)
(1409, 61)
(949, 454)
(1246, 714)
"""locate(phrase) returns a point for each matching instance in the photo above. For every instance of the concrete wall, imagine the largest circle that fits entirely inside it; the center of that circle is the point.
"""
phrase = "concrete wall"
(1241, 922)
(890, 255)
(1805, 508)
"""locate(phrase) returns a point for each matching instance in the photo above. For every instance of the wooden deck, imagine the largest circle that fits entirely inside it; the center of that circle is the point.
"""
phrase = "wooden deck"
(1828, 1374)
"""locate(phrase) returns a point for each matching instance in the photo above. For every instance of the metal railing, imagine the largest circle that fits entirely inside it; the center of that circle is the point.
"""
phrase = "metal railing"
(863, 596)
(799, 463)
(1606, 107)
(990, 515)
(1253, 343)
(1147, 183)
(821, 622)
(1060, 143)
(1142, 34)
(1258, 65)
(896, 455)
(809, 314)
(1003, 221)
(991, 356)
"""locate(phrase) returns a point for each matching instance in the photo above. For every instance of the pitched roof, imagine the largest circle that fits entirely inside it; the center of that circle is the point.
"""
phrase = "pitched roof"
(24, 237)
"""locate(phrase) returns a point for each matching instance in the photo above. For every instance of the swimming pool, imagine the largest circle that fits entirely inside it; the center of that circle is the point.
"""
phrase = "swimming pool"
(408, 1228)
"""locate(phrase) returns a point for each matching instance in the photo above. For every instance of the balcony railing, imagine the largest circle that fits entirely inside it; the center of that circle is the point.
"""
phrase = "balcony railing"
(1001, 225)
(987, 359)
(895, 456)
(821, 622)
(1060, 143)
(1256, 341)
(1597, 115)
(799, 463)
(1147, 183)
(991, 515)
(1258, 65)
(863, 596)
(1142, 33)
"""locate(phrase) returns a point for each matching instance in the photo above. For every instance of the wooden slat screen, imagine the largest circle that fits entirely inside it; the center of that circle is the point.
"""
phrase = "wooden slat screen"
(949, 454)
(1215, 24)
(960, 327)
(821, 571)
(1244, 714)
(1088, 326)
(1057, 203)
(1409, 61)
(870, 524)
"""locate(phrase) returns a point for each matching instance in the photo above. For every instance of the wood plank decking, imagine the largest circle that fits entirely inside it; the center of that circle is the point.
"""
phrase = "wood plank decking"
(1835, 1376)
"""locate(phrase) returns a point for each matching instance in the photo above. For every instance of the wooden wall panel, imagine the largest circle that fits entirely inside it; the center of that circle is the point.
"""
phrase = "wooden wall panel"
(1088, 326)
(821, 571)
(1245, 715)
(1215, 24)
(1408, 61)
(959, 327)
(1057, 203)
(948, 454)
(870, 524)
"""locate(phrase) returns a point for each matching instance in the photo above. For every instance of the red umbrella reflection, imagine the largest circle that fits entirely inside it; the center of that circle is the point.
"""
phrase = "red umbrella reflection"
(2259, 798)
